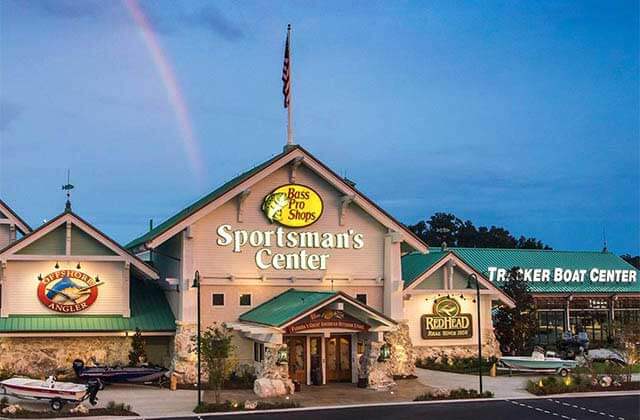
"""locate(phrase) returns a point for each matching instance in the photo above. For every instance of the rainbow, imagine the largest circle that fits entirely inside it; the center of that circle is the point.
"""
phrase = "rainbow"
(171, 85)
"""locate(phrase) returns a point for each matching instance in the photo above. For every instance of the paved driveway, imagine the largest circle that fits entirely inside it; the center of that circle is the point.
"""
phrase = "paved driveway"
(501, 386)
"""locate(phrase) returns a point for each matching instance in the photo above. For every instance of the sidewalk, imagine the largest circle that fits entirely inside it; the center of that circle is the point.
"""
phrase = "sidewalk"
(501, 386)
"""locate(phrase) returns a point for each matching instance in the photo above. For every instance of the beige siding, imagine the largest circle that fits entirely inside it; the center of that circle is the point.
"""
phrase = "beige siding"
(84, 244)
(213, 260)
(5, 235)
(418, 306)
(22, 282)
(260, 294)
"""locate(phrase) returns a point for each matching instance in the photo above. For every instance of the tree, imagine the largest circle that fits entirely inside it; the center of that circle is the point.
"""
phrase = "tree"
(216, 350)
(516, 327)
(446, 227)
(634, 261)
(138, 353)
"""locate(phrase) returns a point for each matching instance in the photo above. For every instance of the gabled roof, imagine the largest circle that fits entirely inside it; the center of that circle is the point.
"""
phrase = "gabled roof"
(150, 312)
(69, 216)
(236, 185)
(21, 225)
(294, 304)
(419, 270)
(483, 258)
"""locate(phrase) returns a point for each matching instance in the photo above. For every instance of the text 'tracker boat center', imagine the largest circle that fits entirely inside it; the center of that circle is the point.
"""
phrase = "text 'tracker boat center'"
(315, 280)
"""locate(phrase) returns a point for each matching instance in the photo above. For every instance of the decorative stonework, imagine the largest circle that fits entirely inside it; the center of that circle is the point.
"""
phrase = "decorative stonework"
(185, 358)
(378, 373)
(272, 378)
(490, 348)
(402, 359)
(43, 356)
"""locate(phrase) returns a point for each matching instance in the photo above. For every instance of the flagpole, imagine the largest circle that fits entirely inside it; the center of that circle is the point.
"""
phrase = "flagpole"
(290, 107)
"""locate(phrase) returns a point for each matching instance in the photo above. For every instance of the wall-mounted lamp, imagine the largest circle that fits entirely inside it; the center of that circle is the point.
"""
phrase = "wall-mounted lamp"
(283, 356)
(56, 266)
(40, 277)
(385, 353)
(78, 266)
(97, 278)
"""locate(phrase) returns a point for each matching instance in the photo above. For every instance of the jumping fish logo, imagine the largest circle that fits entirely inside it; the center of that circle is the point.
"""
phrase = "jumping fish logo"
(273, 205)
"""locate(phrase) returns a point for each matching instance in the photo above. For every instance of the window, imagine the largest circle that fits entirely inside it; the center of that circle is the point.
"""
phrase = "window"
(217, 299)
(361, 297)
(258, 352)
(245, 299)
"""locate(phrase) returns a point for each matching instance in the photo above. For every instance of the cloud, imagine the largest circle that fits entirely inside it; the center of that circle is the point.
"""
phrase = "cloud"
(9, 112)
(215, 21)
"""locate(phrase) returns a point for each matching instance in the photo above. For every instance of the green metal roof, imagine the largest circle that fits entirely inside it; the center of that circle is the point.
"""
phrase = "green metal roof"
(188, 211)
(286, 306)
(150, 312)
(481, 259)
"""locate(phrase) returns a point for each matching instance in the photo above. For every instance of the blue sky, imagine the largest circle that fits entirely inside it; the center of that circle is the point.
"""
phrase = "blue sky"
(520, 114)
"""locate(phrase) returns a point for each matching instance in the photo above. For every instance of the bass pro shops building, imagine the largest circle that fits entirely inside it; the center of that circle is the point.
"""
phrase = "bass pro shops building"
(307, 273)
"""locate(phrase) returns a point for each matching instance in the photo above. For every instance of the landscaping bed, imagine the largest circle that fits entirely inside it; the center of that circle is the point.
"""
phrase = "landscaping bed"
(578, 383)
(229, 406)
(112, 409)
(455, 394)
(465, 365)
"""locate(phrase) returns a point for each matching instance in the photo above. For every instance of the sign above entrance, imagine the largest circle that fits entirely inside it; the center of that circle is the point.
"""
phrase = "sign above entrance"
(293, 205)
(446, 322)
(68, 291)
(328, 318)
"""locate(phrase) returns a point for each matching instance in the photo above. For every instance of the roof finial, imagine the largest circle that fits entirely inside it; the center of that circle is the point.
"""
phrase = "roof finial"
(68, 187)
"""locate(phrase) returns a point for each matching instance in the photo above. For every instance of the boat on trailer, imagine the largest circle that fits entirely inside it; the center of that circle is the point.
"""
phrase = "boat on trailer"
(121, 374)
(58, 393)
(537, 362)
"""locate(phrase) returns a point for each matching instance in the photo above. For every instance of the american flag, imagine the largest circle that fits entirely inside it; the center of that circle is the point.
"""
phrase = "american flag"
(286, 72)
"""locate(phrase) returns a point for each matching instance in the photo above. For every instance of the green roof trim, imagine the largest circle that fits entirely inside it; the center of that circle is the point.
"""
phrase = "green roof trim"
(202, 202)
(414, 264)
(286, 306)
(150, 312)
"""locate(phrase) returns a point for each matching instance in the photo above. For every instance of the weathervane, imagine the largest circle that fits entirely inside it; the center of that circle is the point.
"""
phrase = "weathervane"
(68, 187)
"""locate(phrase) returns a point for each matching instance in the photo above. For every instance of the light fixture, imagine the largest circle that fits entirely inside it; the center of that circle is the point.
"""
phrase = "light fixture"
(385, 352)
(56, 266)
(40, 277)
(461, 297)
(283, 356)
(78, 266)
(97, 278)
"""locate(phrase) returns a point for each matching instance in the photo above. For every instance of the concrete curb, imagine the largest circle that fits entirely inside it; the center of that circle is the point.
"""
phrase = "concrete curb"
(348, 406)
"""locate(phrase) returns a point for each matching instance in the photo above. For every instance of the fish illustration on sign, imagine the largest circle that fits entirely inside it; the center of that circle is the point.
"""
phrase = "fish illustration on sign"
(273, 205)
(65, 290)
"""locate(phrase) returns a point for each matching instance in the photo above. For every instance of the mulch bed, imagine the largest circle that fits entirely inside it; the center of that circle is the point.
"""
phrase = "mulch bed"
(625, 386)
(28, 414)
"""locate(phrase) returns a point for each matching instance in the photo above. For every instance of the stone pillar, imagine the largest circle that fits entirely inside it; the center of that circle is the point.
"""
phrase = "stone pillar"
(185, 358)
(377, 373)
(272, 378)
(402, 358)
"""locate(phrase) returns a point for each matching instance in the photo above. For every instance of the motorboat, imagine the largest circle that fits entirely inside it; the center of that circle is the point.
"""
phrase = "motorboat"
(121, 374)
(58, 393)
(538, 362)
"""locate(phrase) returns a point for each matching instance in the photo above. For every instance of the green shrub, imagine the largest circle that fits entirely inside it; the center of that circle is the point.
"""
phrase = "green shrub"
(445, 363)
(455, 394)
(230, 406)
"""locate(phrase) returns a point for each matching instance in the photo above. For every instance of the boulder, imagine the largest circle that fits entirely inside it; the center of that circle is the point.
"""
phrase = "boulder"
(266, 388)
(250, 405)
(80, 409)
(12, 409)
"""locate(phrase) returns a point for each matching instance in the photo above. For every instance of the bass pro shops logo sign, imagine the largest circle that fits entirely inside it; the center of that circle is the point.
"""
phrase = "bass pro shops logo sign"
(68, 291)
(446, 322)
(293, 205)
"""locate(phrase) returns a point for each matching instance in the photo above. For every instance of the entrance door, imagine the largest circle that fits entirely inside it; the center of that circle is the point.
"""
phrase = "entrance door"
(315, 351)
(297, 358)
(338, 353)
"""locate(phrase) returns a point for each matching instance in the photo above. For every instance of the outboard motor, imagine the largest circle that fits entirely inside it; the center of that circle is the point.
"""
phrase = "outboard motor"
(78, 367)
(93, 386)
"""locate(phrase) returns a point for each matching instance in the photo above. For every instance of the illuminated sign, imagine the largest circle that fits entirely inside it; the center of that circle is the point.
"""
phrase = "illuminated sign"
(446, 322)
(565, 275)
(302, 259)
(68, 291)
(293, 205)
(328, 318)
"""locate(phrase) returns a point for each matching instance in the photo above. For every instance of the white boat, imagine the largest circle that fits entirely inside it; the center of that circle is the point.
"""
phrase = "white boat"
(58, 393)
(537, 362)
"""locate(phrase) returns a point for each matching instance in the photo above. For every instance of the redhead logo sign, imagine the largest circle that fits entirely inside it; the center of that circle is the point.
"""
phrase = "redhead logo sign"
(293, 205)
(68, 291)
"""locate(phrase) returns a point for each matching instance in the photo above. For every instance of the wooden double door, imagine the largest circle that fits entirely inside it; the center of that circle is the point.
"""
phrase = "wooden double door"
(337, 356)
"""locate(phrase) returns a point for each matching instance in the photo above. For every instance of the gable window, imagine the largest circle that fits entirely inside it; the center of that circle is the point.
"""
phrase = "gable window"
(258, 352)
(361, 297)
(245, 299)
(217, 299)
